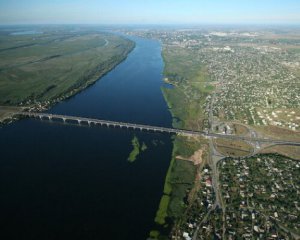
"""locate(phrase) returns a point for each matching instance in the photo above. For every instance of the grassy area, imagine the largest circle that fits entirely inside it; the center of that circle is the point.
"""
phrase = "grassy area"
(240, 129)
(179, 180)
(192, 84)
(162, 212)
(154, 234)
(278, 133)
(275, 132)
(56, 64)
(136, 149)
(186, 100)
(233, 148)
(288, 151)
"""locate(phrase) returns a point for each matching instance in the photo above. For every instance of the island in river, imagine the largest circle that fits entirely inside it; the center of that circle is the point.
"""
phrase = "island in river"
(42, 67)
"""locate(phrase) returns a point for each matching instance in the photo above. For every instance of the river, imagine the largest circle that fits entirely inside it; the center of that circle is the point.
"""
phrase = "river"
(61, 181)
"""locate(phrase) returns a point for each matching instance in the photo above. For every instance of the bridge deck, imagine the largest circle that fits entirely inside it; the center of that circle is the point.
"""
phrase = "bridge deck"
(153, 128)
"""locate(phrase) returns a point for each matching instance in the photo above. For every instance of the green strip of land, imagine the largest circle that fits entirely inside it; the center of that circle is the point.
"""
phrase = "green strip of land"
(41, 69)
(186, 100)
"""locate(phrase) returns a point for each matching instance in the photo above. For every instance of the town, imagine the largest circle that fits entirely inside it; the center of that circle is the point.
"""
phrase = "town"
(261, 201)
(250, 82)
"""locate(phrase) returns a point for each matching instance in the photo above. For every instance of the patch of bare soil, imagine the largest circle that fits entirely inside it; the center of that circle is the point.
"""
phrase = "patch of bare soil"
(196, 158)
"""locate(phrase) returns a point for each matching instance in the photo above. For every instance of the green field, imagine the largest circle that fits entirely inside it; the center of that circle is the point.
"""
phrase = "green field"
(179, 179)
(59, 62)
(186, 100)
(192, 84)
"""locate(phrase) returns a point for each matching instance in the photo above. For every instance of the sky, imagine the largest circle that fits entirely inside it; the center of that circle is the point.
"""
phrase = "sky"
(150, 12)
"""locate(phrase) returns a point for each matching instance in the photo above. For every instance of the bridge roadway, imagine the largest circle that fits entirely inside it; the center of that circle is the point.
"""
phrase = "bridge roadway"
(141, 127)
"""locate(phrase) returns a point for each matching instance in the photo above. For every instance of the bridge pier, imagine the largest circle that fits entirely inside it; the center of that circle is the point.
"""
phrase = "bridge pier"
(65, 118)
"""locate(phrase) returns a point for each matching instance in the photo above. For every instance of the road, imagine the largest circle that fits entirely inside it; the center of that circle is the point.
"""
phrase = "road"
(209, 134)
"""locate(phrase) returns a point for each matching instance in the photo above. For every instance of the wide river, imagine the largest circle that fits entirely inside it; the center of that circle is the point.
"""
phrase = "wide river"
(61, 181)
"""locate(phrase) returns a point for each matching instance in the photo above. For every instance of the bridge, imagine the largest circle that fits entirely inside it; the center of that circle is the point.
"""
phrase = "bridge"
(141, 127)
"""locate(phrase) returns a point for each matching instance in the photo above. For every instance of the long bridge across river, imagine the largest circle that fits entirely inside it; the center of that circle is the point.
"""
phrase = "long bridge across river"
(93, 121)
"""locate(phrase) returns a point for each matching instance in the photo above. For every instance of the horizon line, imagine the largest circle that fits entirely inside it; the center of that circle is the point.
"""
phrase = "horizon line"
(154, 24)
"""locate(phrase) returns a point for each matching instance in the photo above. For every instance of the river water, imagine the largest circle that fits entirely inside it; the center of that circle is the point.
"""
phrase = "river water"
(60, 181)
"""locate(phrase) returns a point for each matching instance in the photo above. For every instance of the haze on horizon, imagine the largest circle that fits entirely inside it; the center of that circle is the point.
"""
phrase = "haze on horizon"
(149, 12)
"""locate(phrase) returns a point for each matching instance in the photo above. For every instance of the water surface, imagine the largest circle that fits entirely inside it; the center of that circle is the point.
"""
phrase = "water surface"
(60, 181)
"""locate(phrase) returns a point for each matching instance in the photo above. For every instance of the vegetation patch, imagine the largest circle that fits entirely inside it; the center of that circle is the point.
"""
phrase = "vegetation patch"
(54, 65)
(192, 84)
(288, 151)
(179, 180)
(240, 129)
(144, 147)
(233, 148)
(154, 234)
(162, 212)
(137, 149)
(186, 100)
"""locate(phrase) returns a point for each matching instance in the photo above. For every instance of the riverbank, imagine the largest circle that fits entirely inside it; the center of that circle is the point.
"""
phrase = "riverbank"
(41, 71)
(186, 102)
(7, 113)
(42, 80)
